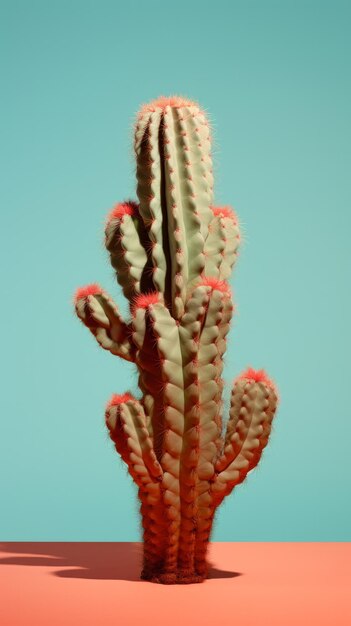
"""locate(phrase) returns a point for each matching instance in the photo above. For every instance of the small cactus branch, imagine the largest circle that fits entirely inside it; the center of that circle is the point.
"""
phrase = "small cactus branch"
(205, 488)
(210, 405)
(127, 253)
(222, 242)
(99, 313)
(126, 422)
(148, 363)
(221, 343)
(209, 373)
(253, 404)
(247, 434)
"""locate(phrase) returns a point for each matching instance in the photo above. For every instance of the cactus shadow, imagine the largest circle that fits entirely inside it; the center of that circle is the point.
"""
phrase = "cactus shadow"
(90, 560)
(87, 560)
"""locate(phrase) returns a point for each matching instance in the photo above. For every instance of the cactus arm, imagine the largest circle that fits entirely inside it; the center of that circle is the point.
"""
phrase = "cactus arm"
(127, 254)
(209, 382)
(150, 382)
(166, 334)
(210, 406)
(222, 242)
(253, 404)
(190, 330)
(158, 356)
(234, 463)
(99, 313)
(221, 344)
(150, 377)
(125, 420)
(223, 328)
(150, 190)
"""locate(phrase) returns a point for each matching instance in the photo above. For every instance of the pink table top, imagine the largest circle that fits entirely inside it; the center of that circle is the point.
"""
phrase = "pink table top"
(83, 584)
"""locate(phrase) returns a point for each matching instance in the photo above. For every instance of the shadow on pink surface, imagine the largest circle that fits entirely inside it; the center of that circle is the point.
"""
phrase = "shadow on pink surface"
(90, 560)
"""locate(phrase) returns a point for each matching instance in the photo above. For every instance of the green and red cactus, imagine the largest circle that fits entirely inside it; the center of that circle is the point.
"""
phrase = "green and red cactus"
(173, 253)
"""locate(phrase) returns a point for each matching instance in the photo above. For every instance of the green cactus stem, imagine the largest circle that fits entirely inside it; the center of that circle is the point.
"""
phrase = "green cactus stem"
(173, 252)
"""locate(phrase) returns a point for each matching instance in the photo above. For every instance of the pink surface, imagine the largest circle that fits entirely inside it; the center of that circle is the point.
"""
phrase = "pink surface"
(251, 583)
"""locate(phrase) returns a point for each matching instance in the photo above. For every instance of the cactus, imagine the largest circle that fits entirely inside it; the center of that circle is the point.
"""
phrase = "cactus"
(173, 253)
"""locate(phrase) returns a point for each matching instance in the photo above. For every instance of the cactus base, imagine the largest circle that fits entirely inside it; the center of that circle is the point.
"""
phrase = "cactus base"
(174, 578)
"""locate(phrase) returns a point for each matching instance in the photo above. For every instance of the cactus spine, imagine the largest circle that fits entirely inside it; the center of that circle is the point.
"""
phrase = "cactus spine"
(173, 252)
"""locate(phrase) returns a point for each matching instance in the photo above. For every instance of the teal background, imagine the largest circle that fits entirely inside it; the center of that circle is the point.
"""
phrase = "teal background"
(274, 78)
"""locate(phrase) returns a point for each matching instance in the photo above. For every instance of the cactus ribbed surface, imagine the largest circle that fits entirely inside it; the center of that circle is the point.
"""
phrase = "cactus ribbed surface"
(173, 252)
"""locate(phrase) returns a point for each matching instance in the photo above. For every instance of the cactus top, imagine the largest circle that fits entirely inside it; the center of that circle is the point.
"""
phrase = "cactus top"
(163, 102)
(175, 190)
